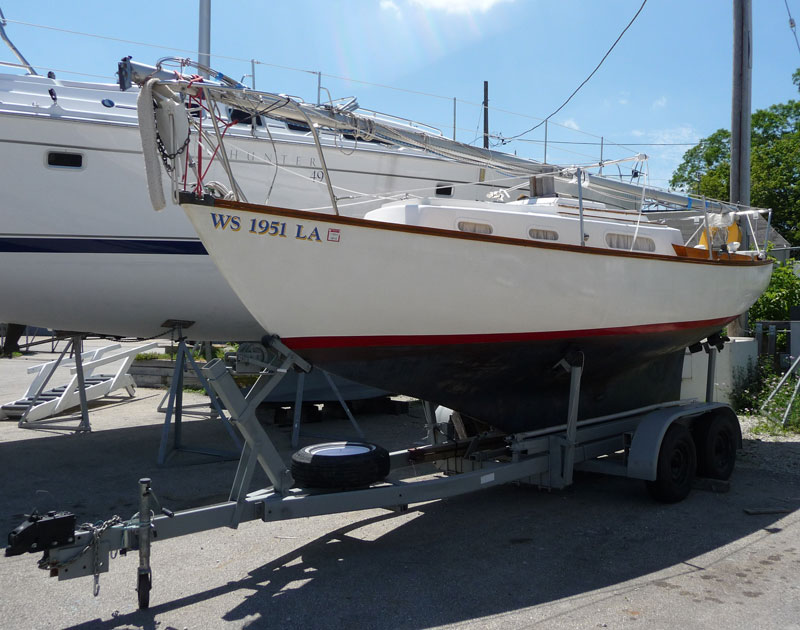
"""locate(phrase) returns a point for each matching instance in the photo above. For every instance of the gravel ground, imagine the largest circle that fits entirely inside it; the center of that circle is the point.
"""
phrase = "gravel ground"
(756, 451)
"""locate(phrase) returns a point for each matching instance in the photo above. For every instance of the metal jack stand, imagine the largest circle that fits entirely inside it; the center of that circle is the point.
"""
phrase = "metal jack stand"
(175, 408)
(262, 363)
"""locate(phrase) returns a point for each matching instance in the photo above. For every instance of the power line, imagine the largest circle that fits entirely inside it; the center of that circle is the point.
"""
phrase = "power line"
(271, 65)
(626, 144)
(586, 80)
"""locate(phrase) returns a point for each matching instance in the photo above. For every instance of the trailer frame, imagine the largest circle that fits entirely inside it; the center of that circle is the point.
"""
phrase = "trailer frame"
(627, 444)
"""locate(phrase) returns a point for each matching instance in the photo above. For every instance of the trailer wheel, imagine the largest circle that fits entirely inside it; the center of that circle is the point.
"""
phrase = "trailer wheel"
(339, 465)
(143, 586)
(677, 464)
(717, 440)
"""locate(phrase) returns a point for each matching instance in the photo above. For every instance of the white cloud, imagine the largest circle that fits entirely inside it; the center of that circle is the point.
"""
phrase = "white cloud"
(571, 124)
(637, 133)
(458, 6)
(659, 103)
(681, 133)
(389, 5)
(623, 98)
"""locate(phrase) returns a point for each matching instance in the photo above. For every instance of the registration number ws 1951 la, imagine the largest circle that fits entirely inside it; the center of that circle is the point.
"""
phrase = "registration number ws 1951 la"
(298, 231)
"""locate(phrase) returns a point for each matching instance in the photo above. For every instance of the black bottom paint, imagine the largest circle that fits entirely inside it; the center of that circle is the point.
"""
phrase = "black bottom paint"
(519, 386)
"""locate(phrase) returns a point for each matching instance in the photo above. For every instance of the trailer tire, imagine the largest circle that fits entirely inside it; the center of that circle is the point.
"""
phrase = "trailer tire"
(717, 439)
(676, 467)
(143, 585)
(339, 465)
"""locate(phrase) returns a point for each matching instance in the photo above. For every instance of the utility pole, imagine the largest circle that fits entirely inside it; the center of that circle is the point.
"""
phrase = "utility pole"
(741, 102)
(740, 122)
(485, 114)
(204, 35)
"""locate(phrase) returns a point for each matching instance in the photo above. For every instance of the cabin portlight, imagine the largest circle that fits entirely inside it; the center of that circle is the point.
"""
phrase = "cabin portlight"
(538, 234)
(625, 241)
(474, 228)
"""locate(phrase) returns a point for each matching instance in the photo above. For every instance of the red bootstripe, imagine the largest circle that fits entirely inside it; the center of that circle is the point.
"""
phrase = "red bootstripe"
(367, 341)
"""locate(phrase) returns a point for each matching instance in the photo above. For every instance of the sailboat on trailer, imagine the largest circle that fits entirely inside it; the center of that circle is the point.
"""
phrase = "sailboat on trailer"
(471, 304)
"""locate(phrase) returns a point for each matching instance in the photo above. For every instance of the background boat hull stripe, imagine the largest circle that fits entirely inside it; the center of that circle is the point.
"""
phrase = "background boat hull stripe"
(20, 245)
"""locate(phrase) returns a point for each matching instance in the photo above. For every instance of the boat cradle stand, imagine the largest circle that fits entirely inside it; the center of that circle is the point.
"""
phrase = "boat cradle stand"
(546, 458)
(175, 409)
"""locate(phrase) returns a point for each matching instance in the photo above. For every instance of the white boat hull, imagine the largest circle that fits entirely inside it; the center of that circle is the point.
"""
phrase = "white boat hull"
(449, 316)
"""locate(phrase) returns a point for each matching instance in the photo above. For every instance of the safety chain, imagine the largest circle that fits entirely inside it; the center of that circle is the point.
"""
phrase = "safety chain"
(97, 532)
(165, 155)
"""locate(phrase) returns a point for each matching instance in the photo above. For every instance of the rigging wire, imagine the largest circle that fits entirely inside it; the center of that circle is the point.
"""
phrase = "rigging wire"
(586, 80)
(792, 25)
(294, 69)
(498, 139)
(368, 198)
(8, 64)
(610, 194)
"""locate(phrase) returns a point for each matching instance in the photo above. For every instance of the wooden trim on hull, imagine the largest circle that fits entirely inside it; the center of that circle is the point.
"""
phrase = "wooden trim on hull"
(187, 198)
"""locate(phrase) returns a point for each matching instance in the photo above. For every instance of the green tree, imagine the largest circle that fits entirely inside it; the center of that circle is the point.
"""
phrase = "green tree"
(774, 165)
(706, 169)
(782, 293)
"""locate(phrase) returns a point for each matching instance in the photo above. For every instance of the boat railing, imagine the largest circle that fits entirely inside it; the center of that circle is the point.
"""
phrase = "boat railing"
(344, 116)
(711, 224)
(399, 122)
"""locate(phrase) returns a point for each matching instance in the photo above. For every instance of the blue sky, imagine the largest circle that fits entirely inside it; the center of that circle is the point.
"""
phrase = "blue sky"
(667, 81)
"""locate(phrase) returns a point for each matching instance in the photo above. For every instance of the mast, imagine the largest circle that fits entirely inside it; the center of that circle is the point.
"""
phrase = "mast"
(204, 35)
(485, 114)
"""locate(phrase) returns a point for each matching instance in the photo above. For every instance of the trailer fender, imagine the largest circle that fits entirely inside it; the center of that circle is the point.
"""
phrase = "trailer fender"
(649, 433)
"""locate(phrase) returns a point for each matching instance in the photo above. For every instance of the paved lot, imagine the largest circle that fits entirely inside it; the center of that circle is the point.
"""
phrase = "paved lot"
(598, 555)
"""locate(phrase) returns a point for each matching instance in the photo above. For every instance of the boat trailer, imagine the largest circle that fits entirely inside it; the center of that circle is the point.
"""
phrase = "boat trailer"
(662, 444)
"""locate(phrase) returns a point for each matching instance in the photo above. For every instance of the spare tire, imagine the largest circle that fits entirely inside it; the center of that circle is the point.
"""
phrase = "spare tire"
(340, 465)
